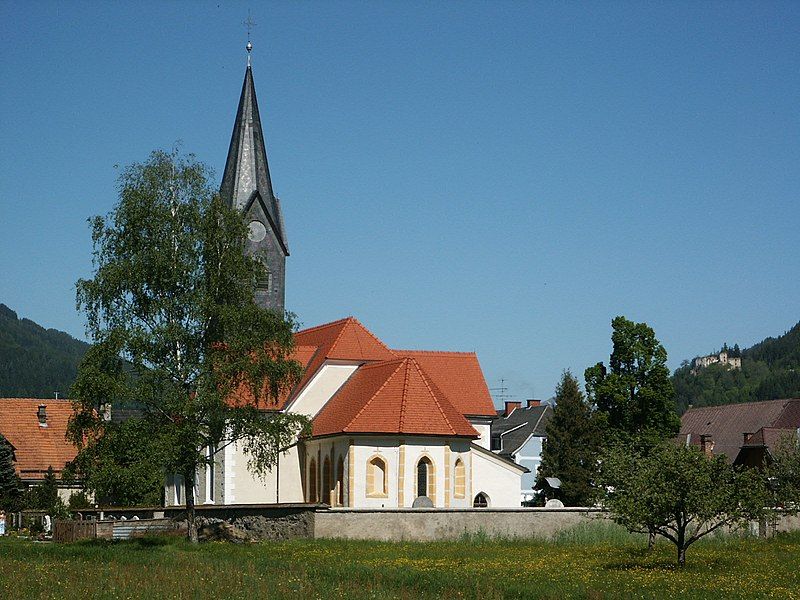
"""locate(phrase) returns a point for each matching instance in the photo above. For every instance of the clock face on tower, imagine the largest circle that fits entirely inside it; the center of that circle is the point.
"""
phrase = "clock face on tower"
(256, 231)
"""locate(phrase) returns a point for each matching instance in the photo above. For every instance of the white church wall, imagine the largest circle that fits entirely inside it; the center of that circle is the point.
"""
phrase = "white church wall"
(327, 381)
(499, 481)
(484, 428)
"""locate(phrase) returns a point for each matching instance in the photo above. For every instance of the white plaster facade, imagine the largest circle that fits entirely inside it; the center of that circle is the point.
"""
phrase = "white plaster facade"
(335, 470)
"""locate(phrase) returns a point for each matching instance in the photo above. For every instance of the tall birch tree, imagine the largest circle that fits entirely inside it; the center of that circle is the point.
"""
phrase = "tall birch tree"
(175, 329)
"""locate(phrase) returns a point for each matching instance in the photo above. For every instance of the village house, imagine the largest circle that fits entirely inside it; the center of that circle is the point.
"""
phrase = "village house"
(746, 434)
(36, 429)
(518, 434)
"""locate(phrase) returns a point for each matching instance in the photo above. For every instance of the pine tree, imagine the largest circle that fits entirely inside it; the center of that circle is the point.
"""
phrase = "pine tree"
(572, 444)
(9, 481)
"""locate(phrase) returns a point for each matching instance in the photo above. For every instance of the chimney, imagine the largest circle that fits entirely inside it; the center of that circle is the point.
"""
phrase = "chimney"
(707, 444)
(42, 415)
(532, 402)
(511, 406)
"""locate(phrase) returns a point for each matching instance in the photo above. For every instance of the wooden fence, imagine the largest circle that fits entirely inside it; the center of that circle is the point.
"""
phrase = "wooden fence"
(72, 531)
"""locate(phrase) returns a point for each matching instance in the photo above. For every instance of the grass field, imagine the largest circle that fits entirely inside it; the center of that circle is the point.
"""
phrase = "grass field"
(585, 563)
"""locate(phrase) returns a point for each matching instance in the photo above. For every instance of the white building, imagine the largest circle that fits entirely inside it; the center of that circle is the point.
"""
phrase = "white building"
(389, 427)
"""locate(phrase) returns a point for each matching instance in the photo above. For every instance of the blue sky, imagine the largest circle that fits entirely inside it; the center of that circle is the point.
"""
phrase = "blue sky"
(504, 177)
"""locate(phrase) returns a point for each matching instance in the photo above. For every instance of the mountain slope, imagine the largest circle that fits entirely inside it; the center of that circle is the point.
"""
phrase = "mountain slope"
(34, 361)
(770, 370)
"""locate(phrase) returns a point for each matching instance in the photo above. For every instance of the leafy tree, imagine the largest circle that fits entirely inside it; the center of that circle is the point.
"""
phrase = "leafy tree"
(571, 446)
(634, 395)
(10, 484)
(679, 493)
(122, 465)
(175, 327)
(784, 474)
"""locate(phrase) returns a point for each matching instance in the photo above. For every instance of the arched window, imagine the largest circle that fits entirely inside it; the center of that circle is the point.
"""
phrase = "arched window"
(312, 481)
(340, 482)
(460, 479)
(481, 501)
(376, 477)
(425, 481)
(326, 481)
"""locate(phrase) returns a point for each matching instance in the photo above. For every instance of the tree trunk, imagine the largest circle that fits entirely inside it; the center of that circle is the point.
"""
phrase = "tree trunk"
(681, 546)
(191, 524)
(651, 540)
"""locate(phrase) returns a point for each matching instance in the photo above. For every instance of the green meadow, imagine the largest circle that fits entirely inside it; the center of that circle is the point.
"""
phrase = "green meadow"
(593, 562)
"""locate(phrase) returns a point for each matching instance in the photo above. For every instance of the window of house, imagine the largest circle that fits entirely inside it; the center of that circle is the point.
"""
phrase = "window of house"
(312, 481)
(265, 282)
(480, 501)
(460, 479)
(376, 477)
(425, 477)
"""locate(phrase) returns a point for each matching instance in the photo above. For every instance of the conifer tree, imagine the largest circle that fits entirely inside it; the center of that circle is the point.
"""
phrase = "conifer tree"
(571, 446)
(9, 481)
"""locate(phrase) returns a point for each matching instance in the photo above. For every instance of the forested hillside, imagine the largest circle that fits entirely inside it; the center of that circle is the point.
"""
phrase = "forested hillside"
(770, 370)
(34, 361)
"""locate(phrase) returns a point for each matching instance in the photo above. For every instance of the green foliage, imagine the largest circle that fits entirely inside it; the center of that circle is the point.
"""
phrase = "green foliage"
(174, 325)
(10, 484)
(122, 465)
(35, 362)
(78, 501)
(679, 493)
(634, 395)
(784, 474)
(45, 496)
(571, 446)
(770, 370)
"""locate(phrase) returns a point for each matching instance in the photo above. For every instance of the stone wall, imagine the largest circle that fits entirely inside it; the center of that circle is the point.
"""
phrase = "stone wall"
(258, 523)
(448, 524)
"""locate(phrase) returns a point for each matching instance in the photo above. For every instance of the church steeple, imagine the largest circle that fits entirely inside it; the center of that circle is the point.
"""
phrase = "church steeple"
(247, 186)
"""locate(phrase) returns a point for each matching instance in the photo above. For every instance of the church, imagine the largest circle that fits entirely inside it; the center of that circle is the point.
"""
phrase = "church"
(391, 428)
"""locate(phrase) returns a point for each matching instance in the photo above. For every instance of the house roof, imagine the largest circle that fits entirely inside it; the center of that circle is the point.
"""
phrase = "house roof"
(727, 424)
(459, 376)
(440, 389)
(35, 447)
(515, 429)
(391, 397)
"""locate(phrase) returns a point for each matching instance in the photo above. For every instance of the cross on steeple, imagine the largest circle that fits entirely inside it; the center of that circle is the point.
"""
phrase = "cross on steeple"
(249, 24)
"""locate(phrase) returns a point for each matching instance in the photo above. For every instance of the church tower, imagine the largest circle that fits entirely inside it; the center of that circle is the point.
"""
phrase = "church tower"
(246, 186)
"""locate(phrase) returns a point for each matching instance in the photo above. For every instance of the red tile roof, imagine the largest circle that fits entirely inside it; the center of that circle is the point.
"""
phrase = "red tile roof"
(727, 424)
(345, 339)
(244, 397)
(35, 447)
(454, 380)
(459, 376)
(391, 397)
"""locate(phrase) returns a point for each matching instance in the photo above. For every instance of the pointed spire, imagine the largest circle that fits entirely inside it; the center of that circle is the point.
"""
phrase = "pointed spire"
(246, 175)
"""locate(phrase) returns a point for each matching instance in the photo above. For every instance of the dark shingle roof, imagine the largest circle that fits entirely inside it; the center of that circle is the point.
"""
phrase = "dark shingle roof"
(515, 429)
(727, 424)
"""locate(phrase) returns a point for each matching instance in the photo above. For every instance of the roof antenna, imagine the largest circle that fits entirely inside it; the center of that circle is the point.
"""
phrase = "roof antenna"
(249, 24)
